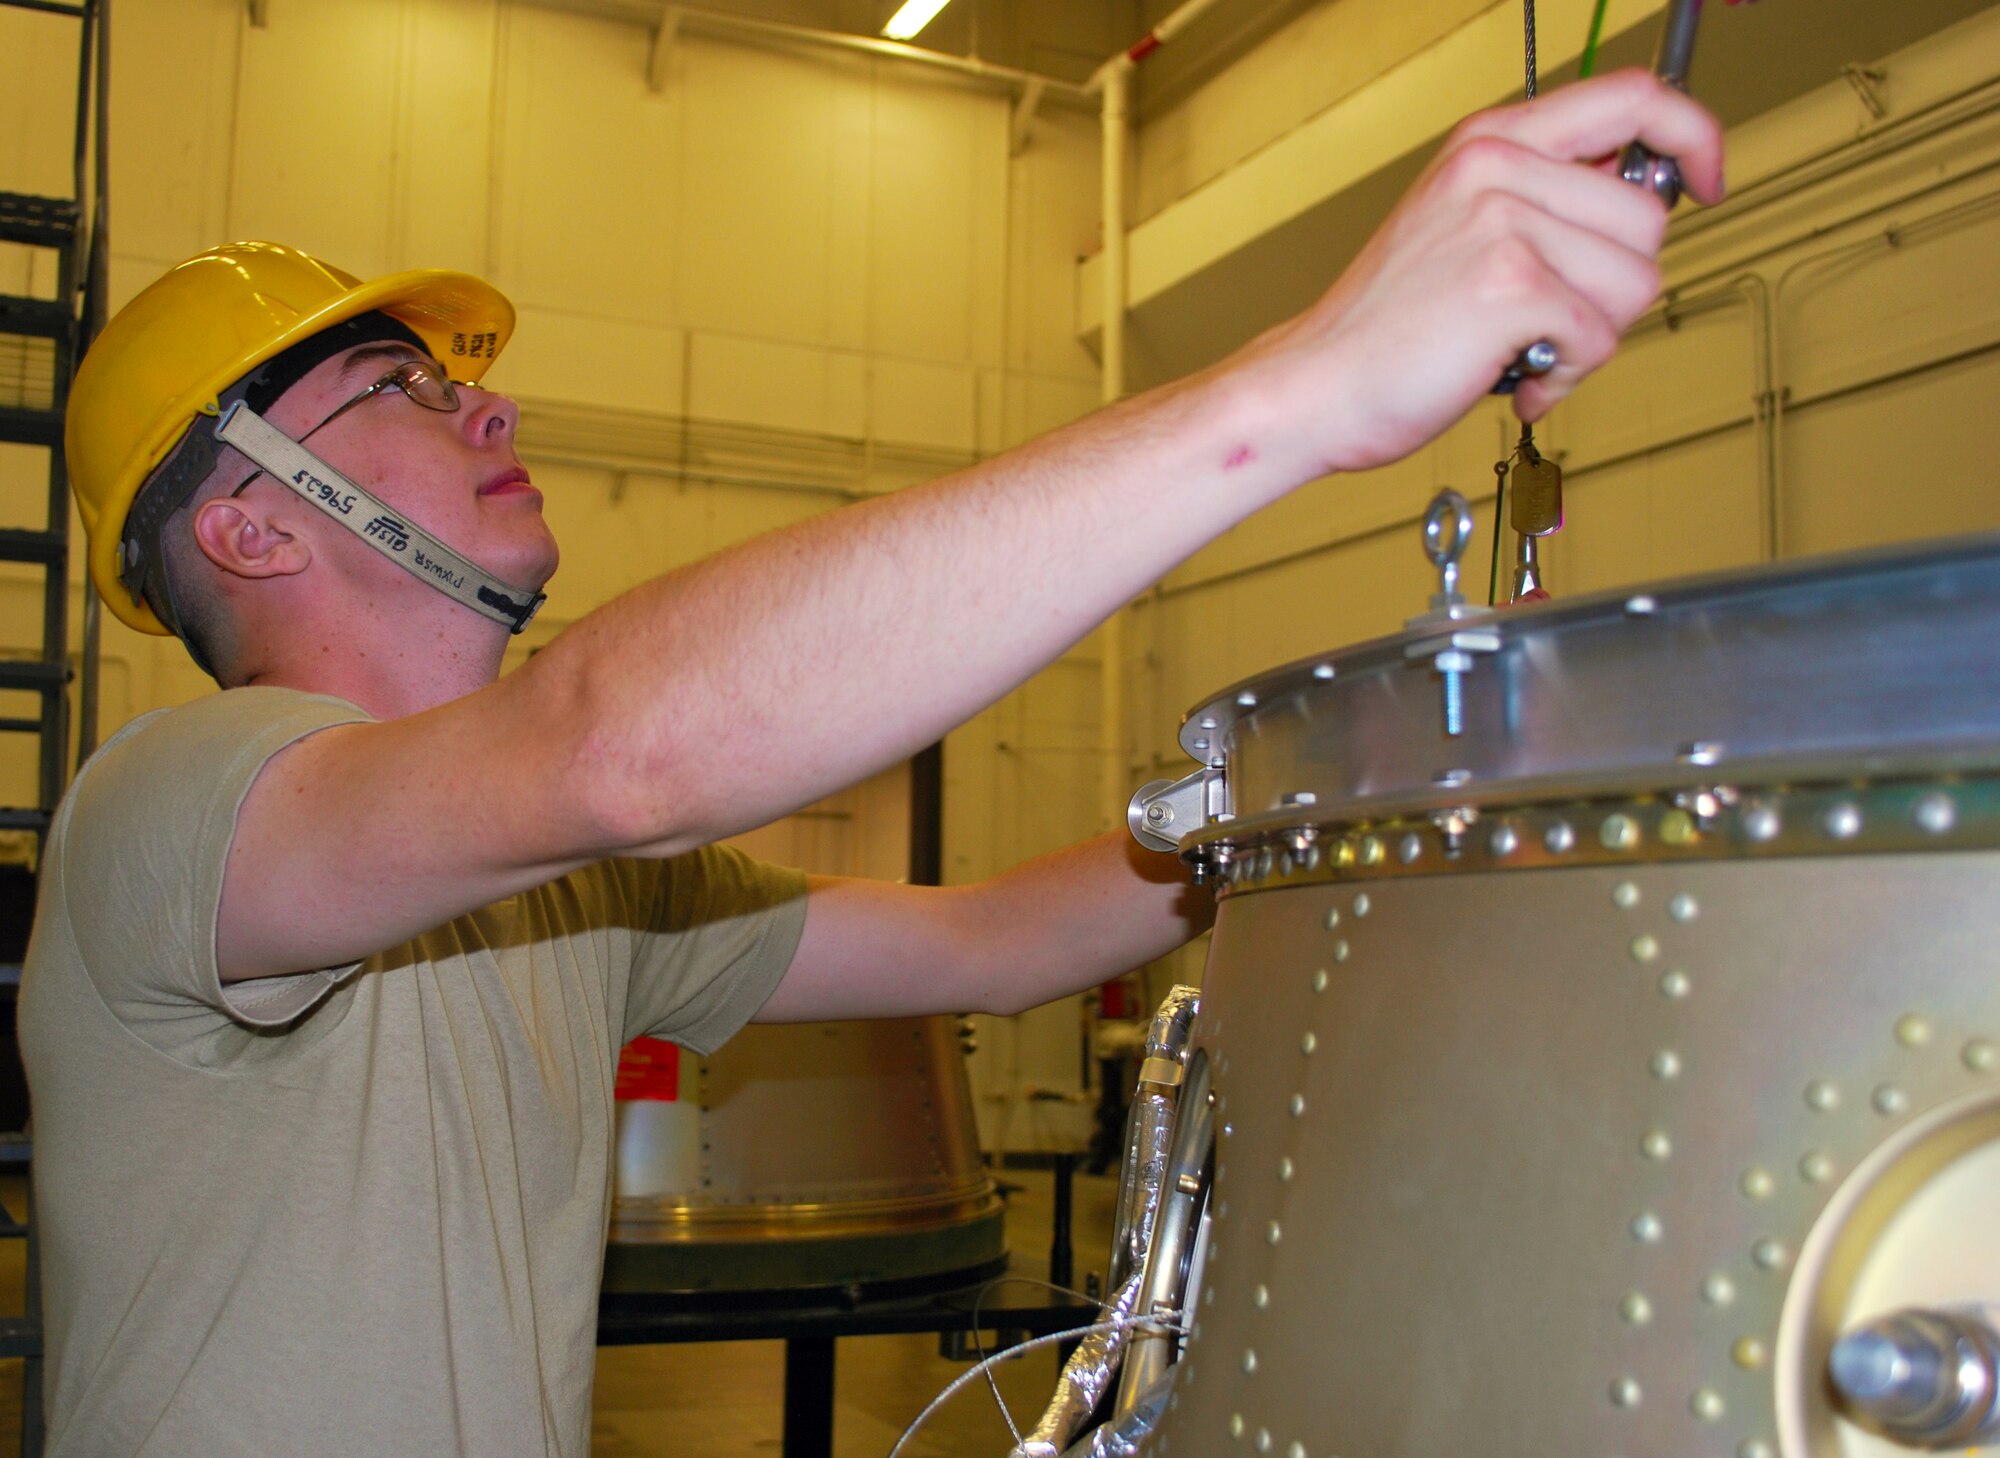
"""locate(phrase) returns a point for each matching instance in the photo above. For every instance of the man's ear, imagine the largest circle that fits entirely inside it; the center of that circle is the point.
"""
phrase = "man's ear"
(248, 539)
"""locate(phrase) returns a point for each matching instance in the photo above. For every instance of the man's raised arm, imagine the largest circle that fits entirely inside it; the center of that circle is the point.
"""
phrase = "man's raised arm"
(729, 693)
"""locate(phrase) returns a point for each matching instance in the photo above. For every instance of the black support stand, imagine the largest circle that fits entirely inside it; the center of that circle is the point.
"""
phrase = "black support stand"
(809, 1397)
(809, 1333)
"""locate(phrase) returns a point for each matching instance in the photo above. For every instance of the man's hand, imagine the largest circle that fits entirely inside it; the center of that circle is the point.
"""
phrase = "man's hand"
(1503, 241)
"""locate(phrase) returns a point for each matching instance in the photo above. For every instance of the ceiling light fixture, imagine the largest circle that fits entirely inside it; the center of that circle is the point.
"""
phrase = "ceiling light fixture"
(913, 17)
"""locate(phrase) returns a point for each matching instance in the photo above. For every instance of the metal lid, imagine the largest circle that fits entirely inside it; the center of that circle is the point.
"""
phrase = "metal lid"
(1867, 664)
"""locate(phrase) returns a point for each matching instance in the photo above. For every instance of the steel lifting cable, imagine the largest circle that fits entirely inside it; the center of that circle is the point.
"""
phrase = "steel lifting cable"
(1528, 15)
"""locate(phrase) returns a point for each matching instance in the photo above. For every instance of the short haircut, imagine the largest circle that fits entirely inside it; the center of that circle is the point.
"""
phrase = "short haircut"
(161, 561)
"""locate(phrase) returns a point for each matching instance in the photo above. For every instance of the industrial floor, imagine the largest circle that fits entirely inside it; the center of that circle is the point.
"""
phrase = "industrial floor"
(724, 1400)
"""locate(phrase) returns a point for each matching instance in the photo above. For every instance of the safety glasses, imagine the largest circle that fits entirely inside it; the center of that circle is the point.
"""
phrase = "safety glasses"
(420, 379)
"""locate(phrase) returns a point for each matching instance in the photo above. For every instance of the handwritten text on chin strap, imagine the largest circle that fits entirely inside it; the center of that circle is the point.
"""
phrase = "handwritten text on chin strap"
(407, 545)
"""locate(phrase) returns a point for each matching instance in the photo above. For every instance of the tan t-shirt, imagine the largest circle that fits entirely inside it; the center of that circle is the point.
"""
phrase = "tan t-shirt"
(352, 1212)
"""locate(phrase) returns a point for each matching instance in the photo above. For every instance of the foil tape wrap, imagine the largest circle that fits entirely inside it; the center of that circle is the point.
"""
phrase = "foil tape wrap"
(1149, 1131)
(1122, 1438)
(1086, 1377)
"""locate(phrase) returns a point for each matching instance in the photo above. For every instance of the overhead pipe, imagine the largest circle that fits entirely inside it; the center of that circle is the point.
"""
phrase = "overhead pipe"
(1112, 82)
(692, 18)
(668, 21)
(1160, 34)
(1115, 99)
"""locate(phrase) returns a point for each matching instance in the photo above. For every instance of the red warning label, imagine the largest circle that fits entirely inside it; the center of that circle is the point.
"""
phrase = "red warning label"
(650, 1068)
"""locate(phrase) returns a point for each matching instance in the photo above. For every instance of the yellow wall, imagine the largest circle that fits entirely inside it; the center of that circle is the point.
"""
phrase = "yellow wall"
(1308, 65)
(783, 280)
(787, 279)
(831, 265)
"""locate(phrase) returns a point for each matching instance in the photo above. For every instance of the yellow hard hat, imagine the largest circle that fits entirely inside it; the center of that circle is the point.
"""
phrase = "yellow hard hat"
(169, 354)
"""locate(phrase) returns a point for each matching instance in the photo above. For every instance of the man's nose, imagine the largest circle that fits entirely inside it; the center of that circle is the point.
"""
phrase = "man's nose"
(492, 416)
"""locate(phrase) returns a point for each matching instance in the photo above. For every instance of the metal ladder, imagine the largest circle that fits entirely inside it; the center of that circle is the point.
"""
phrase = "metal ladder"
(41, 342)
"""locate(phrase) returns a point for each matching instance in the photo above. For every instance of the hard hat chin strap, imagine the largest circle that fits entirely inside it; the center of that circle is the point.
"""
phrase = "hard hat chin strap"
(410, 547)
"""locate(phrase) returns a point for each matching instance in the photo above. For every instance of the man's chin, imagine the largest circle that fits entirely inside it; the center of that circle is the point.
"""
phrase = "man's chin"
(539, 567)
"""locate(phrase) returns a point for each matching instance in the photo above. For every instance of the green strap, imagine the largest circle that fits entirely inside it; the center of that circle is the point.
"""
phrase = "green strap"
(1590, 46)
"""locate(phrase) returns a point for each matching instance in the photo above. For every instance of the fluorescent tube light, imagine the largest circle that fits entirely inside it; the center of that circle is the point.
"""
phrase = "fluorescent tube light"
(913, 17)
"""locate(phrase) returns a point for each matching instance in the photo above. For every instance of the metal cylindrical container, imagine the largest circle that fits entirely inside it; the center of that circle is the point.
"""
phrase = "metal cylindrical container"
(1582, 1078)
(816, 1155)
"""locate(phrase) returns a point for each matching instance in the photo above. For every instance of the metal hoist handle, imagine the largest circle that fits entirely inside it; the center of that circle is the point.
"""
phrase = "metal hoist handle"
(1639, 164)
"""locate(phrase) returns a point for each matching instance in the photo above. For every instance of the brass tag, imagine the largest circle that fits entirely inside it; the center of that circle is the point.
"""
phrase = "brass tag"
(1536, 489)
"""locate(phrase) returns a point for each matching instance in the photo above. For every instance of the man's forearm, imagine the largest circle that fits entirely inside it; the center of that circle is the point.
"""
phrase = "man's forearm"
(1069, 920)
(732, 691)
(1052, 926)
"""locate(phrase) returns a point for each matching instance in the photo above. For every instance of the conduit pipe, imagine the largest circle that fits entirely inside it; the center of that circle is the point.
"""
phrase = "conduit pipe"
(1112, 82)
(1158, 36)
(718, 23)
(1871, 144)
(669, 20)
(1895, 236)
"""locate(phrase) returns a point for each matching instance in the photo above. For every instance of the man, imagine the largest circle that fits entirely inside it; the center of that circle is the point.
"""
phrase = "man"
(331, 969)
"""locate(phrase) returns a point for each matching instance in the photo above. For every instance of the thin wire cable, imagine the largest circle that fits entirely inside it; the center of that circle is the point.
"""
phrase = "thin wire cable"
(1164, 1322)
(979, 1347)
(1500, 470)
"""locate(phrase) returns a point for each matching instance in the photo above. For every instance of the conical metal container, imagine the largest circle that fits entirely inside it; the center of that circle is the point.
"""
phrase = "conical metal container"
(1580, 1080)
(833, 1158)
(816, 1155)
